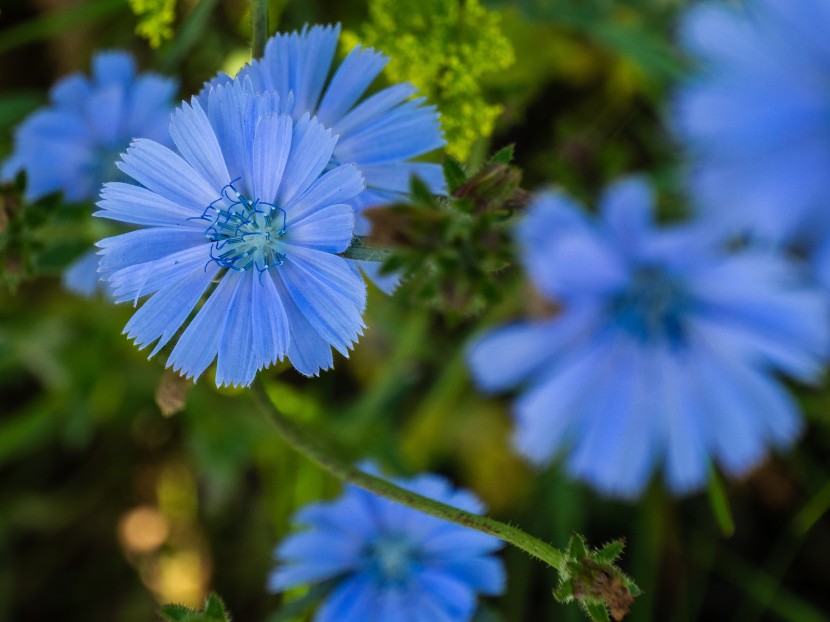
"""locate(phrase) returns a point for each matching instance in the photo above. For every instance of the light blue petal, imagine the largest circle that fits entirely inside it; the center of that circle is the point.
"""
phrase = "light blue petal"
(687, 458)
(308, 352)
(372, 108)
(451, 542)
(236, 364)
(628, 207)
(136, 205)
(298, 62)
(113, 67)
(272, 144)
(311, 150)
(547, 413)
(142, 279)
(149, 107)
(619, 422)
(354, 600)
(405, 132)
(397, 176)
(71, 93)
(199, 343)
(387, 283)
(328, 230)
(164, 312)
(357, 71)
(506, 356)
(157, 168)
(227, 106)
(270, 322)
(194, 137)
(336, 186)
(482, 574)
(449, 592)
(328, 293)
(143, 245)
(105, 110)
(81, 276)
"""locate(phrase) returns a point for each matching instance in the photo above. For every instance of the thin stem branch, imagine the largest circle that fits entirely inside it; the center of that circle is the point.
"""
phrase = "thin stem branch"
(259, 27)
(358, 249)
(301, 441)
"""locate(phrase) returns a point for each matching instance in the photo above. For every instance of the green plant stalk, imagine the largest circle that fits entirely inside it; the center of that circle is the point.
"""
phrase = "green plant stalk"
(259, 27)
(302, 441)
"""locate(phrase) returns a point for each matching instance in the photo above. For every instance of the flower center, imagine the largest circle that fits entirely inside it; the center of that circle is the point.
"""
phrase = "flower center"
(245, 233)
(392, 554)
(652, 307)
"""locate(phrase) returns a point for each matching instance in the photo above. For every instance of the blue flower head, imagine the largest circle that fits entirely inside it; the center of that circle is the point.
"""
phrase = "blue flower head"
(756, 119)
(388, 562)
(381, 133)
(248, 213)
(72, 144)
(664, 352)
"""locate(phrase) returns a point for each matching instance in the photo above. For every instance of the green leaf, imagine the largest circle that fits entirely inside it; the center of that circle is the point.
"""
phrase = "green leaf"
(503, 156)
(454, 174)
(720, 504)
(596, 612)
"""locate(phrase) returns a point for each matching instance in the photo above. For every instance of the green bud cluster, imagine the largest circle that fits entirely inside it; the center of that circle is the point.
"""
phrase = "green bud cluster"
(454, 248)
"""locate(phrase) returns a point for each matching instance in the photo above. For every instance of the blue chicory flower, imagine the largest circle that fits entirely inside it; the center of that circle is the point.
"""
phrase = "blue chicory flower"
(388, 562)
(380, 133)
(756, 118)
(72, 144)
(249, 211)
(664, 352)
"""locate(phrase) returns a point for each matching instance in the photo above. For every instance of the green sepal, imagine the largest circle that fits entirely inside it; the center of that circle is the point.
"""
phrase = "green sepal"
(454, 174)
(212, 611)
(503, 155)
(610, 552)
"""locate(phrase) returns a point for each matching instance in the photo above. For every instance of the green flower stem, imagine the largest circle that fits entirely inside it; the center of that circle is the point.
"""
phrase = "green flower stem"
(259, 27)
(360, 250)
(302, 441)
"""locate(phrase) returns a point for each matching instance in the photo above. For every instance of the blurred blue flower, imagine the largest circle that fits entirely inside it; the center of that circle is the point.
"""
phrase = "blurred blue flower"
(756, 118)
(388, 562)
(663, 353)
(380, 133)
(249, 211)
(72, 144)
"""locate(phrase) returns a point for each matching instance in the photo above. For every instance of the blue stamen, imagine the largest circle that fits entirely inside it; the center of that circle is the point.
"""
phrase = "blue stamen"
(245, 232)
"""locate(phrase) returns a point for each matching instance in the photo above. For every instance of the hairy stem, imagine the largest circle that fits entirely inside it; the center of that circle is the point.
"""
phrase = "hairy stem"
(302, 441)
(358, 249)
(259, 27)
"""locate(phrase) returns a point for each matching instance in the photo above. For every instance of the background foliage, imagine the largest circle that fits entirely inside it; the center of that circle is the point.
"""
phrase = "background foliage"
(121, 487)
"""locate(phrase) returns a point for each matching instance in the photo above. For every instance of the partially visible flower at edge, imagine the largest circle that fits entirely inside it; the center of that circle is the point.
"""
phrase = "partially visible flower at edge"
(664, 352)
(72, 144)
(380, 134)
(249, 211)
(755, 118)
(389, 562)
